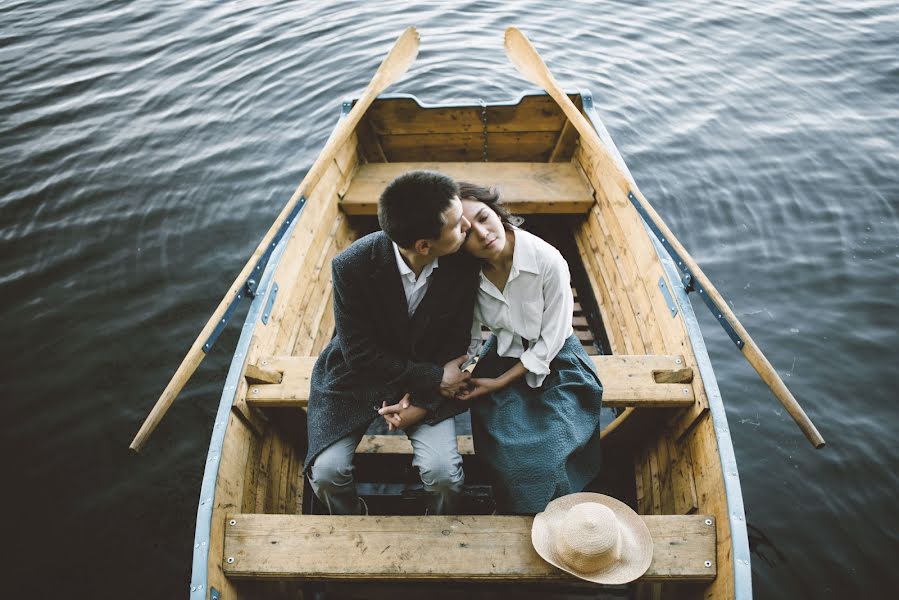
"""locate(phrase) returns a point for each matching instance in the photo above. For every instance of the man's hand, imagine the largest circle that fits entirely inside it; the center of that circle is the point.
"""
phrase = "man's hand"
(454, 381)
(403, 414)
(480, 386)
(391, 418)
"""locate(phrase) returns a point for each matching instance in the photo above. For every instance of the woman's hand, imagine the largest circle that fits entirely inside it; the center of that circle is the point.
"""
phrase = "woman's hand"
(478, 386)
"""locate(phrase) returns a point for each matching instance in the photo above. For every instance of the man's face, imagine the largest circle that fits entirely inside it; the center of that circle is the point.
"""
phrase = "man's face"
(452, 235)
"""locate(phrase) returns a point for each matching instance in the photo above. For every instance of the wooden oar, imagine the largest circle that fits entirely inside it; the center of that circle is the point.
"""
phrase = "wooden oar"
(528, 62)
(395, 64)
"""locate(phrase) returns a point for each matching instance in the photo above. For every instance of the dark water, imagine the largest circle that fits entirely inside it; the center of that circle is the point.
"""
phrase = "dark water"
(146, 147)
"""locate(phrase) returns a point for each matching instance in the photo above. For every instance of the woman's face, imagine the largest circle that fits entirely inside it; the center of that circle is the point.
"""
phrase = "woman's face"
(487, 236)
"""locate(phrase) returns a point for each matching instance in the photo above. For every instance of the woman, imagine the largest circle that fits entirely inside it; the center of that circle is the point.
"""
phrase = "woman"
(535, 395)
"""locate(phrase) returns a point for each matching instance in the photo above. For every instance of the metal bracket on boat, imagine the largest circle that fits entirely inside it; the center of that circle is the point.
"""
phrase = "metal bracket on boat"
(672, 305)
(214, 594)
(688, 279)
(346, 107)
(249, 286)
(269, 303)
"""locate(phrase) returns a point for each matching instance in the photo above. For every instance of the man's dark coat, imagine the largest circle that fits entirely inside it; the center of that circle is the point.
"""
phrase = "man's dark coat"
(378, 353)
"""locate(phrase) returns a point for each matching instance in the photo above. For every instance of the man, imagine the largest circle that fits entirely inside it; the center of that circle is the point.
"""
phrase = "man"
(403, 304)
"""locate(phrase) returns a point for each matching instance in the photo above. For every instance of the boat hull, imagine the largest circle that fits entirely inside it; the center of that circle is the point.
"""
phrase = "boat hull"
(671, 461)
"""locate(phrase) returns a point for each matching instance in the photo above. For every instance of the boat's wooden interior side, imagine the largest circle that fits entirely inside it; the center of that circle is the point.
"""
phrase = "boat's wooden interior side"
(665, 460)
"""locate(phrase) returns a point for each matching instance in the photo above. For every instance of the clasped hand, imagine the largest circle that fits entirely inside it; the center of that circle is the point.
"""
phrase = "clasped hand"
(479, 386)
(403, 414)
(454, 380)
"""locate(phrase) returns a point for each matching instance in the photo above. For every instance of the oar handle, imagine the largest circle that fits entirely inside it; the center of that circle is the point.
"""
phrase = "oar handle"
(779, 388)
(179, 379)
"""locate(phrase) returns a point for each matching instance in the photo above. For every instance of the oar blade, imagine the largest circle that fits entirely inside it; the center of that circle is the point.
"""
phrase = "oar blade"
(525, 58)
(397, 61)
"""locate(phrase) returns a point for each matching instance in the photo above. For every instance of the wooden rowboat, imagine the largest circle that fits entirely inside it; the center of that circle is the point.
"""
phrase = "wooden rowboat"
(667, 449)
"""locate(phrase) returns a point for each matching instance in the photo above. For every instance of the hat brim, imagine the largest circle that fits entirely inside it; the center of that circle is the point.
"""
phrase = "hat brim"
(636, 541)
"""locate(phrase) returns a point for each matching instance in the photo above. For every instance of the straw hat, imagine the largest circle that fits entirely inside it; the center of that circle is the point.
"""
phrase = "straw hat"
(594, 537)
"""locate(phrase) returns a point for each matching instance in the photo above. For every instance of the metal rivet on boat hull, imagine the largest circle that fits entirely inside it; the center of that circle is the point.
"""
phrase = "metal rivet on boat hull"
(708, 521)
(231, 560)
(708, 564)
(232, 522)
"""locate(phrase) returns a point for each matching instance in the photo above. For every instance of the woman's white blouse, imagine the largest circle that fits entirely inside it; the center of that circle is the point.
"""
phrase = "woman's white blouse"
(535, 305)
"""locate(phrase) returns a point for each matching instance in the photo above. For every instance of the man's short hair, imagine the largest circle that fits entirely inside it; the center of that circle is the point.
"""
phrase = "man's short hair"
(411, 207)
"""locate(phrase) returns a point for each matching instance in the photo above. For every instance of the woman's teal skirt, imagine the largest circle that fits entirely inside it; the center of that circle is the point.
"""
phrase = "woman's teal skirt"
(538, 443)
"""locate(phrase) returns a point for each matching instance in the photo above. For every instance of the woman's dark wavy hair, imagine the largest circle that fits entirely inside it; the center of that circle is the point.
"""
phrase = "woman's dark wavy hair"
(490, 197)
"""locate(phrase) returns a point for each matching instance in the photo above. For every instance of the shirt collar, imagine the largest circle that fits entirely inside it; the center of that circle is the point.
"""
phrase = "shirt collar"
(524, 257)
(406, 271)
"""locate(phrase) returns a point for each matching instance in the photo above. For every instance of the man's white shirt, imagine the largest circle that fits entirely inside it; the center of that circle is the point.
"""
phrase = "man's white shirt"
(415, 288)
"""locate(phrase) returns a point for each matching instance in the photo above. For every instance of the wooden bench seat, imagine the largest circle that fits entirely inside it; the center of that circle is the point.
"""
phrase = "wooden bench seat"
(628, 380)
(460, 548)
(525, 188)
(398, 443)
